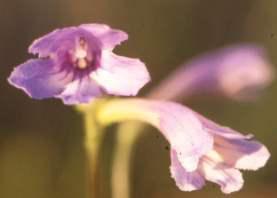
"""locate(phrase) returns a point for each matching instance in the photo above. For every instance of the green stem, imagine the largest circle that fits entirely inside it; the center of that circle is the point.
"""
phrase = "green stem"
(92, 142)
(121, 167)
(118, 111)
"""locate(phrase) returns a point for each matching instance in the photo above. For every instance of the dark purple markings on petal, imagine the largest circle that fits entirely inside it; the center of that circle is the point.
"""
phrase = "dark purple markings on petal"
(39, 78)
(68, 59)
(81, 90)
(71, 56)
(67, 63)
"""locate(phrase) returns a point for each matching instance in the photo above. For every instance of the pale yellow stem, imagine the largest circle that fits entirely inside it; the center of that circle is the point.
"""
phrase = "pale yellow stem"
(126, 137)
(92, 142)
(119, 111)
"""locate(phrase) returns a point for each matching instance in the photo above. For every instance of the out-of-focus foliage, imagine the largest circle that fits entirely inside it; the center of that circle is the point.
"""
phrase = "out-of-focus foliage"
(41, 151)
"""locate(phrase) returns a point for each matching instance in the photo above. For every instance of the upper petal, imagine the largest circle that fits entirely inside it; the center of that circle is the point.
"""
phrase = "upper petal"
(39, 78)
(99, 36)
(177, 123)
(186, 181)
(108, 37)
(50, 42)
(80, 91)
(242, 153)
(220, 130)
(235, 148)
(229, 178)
(120, 75)
(64, 40)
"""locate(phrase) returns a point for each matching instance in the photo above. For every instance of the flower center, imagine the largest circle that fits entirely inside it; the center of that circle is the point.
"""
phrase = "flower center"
(81, 58)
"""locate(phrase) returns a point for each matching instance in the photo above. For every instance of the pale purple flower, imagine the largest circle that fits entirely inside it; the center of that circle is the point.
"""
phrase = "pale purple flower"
(231, 152)
(200, 149)
(238, 72)
(77, 65)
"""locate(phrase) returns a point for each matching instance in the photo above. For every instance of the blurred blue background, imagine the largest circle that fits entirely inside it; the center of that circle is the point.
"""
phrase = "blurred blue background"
(41, 153)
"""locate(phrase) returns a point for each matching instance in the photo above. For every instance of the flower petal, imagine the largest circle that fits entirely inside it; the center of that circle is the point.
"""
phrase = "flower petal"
(177, 123)
(120, 75)
(244, 71)
(108, 37)
(187, 137)
(61, 41)
(229, 179)
(39, 78)
(242, 153)
(80, 91)
(219, 130)
(186, 181)
(49, 43)
(237, 149)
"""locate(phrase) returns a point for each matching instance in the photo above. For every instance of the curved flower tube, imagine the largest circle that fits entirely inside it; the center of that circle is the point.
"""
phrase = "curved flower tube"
(238, 72)
(77, 65)
(180, 127)
(200, 149)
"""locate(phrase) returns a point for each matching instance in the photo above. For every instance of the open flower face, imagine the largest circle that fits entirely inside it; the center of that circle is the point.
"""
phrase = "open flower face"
(77, 64)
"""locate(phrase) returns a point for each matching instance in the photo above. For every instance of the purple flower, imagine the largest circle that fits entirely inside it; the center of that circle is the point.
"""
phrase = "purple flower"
(238, 72)
(77, 64)
(231, 152)
(200, 149)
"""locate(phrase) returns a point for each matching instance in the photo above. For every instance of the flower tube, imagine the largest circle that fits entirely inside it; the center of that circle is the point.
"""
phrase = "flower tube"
(238, 72)
(200, 149)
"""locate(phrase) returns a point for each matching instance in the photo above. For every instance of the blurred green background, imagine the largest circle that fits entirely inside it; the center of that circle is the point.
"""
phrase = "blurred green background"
(41, 153)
